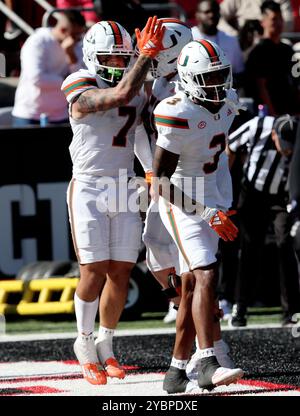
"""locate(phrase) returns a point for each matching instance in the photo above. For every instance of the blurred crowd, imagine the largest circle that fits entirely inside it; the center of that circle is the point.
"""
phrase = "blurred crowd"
(266, 74)
(265, 64)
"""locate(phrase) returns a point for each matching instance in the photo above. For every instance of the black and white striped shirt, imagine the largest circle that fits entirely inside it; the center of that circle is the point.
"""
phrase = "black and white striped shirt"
(265, 169)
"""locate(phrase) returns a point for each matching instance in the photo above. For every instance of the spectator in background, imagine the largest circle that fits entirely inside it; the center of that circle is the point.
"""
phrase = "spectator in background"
(249, 36)
(47, 57)
(90, 17)
(269, 78)
(11, 30)
(189, 8)
(235, 13)
(127, 13)
(208, 16)
(263, 199)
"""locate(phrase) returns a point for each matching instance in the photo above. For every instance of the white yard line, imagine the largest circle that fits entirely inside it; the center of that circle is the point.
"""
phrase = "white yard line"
(69, 335)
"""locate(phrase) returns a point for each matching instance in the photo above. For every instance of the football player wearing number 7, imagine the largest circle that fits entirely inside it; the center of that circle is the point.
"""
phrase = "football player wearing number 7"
(105, 103)
(192, 129)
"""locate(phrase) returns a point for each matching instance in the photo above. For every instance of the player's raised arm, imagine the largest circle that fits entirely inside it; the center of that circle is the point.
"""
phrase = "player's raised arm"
(150, 43)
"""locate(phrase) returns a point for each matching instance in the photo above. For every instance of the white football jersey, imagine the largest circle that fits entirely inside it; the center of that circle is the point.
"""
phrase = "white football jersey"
(162, 88)
(199, 137)
(103, 142)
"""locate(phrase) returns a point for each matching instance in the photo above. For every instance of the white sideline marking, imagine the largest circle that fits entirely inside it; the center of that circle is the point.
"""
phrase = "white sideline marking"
(70, 335)
(119, 333)
(251, 326)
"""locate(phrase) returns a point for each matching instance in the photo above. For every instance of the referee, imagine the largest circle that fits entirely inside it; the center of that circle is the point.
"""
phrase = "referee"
(263, 199)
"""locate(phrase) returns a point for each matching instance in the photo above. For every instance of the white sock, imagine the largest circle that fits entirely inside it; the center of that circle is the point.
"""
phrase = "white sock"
(197, 343)
(85, 314)
(207, 352)
(219, 345)
(181, 364)
(105, 333)
(105, 336)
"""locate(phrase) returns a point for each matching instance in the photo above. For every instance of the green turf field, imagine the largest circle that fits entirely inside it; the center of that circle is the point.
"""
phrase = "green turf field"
(19, 325)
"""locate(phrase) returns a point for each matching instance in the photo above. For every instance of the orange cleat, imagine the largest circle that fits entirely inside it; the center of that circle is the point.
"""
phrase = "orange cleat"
(85, 351)
(94, 374)
(113, 368)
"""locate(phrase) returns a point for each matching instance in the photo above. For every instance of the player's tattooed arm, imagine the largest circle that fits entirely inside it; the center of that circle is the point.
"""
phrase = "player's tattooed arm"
(150, 43)
(94, 100)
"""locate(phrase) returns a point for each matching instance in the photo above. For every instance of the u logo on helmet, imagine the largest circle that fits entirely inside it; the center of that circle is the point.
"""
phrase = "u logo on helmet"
(176, 36)
(174, 41)
(183, 60)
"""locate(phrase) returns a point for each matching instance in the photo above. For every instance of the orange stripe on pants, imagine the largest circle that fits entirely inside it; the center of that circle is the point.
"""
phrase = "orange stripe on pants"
(71, 216)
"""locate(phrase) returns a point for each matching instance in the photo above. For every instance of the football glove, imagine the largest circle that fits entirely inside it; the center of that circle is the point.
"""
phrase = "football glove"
(220, 223)
(149, 41)
(223, 226)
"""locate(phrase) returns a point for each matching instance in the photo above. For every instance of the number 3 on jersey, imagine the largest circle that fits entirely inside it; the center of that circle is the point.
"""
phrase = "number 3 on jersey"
(218, 140)
(120, 140)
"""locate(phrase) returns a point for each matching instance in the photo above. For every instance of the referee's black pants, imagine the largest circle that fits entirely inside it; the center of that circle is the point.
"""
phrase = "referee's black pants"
(256, 210)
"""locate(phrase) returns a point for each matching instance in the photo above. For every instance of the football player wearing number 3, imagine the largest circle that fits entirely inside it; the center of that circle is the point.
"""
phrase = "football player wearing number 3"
(192, 128)
(105, 103)
(162, 253)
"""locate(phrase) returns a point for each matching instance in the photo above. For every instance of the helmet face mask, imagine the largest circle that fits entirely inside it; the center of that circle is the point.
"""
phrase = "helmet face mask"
(214, 83)
(104, 40)
(205, 72)
(112, 73)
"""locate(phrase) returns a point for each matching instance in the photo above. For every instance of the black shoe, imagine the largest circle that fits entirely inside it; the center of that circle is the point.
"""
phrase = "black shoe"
(206, 370)
(238, 317)
(175, 381)
(211, 374)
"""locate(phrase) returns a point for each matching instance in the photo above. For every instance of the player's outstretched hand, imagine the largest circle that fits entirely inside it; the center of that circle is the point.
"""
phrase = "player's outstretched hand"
(223, 226)
(149, 41)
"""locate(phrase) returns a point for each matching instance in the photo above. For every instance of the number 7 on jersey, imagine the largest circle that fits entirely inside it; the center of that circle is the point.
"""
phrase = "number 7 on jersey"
(120, 140)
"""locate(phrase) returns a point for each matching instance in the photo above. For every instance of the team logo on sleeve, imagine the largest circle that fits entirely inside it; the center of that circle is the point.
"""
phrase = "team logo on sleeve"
(202, 125)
